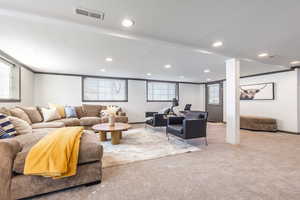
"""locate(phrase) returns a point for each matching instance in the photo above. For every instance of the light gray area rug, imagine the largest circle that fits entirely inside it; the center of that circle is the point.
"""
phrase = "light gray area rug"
(139, 144)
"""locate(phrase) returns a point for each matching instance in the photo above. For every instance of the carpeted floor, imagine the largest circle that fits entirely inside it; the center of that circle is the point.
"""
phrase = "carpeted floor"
(141, 143)
(265, 166)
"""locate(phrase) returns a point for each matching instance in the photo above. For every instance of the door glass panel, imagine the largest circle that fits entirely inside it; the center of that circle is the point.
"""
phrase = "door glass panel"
(214, 94)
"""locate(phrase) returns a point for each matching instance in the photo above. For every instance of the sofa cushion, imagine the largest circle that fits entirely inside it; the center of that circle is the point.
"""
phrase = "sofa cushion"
(60, 109)
(26, 141)
(19, 113)
(5, 111)
(92, 110)
(90, 121)
(259, 120)
(69, 121)
(50, 114)
(55, 124)
(177, 128)
(121, 119)
(33, 114)
(79, 111)
(90, 150)
(21, 126)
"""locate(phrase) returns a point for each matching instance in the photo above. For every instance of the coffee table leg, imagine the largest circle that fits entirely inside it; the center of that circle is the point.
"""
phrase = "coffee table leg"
(115, 137)
(103, 136)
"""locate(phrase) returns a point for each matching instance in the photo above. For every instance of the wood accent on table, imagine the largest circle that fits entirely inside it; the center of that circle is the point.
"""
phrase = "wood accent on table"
(115, 131)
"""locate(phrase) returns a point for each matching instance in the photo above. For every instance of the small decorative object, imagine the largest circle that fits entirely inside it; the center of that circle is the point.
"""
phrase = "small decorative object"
(112, 112)
(111, 120)
(262, 91)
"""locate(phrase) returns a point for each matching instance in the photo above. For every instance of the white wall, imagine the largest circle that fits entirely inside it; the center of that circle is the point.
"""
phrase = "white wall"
(285, 106)
(27, 81)
(66, 90)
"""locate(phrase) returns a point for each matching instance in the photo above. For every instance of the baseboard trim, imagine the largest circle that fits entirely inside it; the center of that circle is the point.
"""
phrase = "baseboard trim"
(136, 123)
(289, 132)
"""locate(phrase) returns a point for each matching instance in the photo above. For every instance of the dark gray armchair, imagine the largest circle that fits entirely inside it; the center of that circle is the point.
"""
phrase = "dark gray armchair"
(193, 125)
(156, 119)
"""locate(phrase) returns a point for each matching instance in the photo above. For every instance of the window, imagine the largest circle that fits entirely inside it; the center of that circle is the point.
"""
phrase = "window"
(161, 91)
(104, 89)
(9, 81)
(213, 94)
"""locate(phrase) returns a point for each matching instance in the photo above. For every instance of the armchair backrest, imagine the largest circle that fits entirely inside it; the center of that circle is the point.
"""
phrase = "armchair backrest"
(196, 115)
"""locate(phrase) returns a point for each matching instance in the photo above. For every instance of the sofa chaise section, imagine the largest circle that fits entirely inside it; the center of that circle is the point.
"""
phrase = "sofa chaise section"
(14, 151)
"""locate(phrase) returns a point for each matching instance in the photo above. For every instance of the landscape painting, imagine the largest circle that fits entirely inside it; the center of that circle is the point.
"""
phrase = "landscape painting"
(261, 91)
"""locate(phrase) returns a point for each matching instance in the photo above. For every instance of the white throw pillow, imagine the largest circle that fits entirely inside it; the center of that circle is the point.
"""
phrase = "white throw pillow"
(22, 127)
(50, 114)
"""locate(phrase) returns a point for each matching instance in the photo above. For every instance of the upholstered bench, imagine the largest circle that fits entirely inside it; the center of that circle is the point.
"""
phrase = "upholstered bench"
(258, 123)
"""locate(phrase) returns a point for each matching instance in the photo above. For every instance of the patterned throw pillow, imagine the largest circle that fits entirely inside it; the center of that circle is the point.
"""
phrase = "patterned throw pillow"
(70, 112)
(2, 132)
(6, 126)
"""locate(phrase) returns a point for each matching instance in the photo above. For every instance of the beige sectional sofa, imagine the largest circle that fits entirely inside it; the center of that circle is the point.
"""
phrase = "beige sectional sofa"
(87, 116)
(13, 152)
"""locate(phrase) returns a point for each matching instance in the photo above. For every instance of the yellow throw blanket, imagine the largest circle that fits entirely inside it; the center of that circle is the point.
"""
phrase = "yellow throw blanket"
(55, 155)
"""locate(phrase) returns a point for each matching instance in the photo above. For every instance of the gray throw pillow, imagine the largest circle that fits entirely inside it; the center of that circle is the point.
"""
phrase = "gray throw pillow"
(70, 112)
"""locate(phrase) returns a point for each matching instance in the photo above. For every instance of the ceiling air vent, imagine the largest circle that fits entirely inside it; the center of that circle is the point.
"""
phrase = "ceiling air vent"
(94, 14)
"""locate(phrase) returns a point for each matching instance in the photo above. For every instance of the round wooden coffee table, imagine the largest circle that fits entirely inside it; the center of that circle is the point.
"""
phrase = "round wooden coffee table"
(116, 131)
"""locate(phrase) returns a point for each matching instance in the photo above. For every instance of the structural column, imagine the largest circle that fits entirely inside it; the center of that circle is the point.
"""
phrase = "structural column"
(233, 101)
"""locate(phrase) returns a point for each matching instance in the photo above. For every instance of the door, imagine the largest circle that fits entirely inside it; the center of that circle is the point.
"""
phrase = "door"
(214, 101)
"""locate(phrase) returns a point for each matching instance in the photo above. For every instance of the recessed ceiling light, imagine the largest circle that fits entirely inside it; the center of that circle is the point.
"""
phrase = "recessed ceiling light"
(296, 62)
(149, 74)
(204, 51)
(262, 55)
(217, 44)
(103, 70)
(127, 23)
(168, 66)
(108, 59)
(247, 59)
(206, 71)
(208, 79)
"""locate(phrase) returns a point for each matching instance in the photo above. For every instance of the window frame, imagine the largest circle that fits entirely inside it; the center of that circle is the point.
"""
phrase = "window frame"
(82, 89)
(20, 79)
(176, 92)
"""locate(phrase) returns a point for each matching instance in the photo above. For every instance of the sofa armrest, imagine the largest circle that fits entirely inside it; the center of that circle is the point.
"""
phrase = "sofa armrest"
(8, 151)
(175, 120)
(150, 114)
